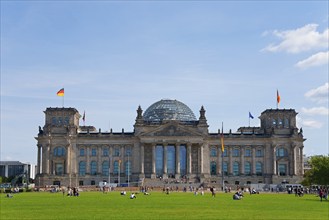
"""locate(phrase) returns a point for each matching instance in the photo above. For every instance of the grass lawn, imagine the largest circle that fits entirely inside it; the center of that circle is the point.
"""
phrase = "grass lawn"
(177, 205)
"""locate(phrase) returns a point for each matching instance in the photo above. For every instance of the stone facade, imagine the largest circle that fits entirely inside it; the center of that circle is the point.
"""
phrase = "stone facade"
(169, 144)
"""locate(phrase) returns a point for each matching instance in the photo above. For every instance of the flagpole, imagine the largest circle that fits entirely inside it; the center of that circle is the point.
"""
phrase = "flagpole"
(249, 118)
(63, 98)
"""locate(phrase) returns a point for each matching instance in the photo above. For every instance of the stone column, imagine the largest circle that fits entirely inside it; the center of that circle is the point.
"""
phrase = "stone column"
(294, 148)
(274, 171)
(111, 160)
(98, 160)
(242, 160)
(48, 160)
(165, 160)
(39, 159)
(219, 161)
(177, 176)
(253, 161)
(88, 159)
(301, 163)
(153, 175)
(142, 159)
(122, 159)
(230, 165)
(189, 159)
(201, 158)
(67, 160)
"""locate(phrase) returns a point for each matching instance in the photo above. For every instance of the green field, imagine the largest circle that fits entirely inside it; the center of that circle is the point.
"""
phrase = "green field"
(177, 205)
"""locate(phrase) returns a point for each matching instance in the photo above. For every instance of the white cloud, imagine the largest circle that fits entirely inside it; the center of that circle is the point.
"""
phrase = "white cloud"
(317, 59)
(320, 94)
(316, 111)
(310, 124)
(298, 40)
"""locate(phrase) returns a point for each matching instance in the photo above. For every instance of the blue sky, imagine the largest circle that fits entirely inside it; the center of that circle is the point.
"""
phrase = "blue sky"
(111, 56)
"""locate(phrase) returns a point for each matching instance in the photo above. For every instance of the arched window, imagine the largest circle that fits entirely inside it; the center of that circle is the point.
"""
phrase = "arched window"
(213, 152)
(105, 168)
(235, 168)
(225, 168)
(247, 168)
(128, 168)
(259, 168)
(59, 151)
(280, 122)
(93, 168)
(213, 168)
(82, 168)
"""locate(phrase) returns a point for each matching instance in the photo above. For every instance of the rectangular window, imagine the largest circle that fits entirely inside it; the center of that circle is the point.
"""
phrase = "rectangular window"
(213, 152)
(236, 152)
(128, 151)
(82, 152)
(116, 152)
(259, 153)
(105, 152)
(247, 152)
(54, 121)
(93, 152)
(59, 168)
(80, 183)
(225, 152)
(282, 169)
(225, 169)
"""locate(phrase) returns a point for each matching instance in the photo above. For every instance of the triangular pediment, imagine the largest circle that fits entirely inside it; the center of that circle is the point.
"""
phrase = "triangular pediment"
(173, 129)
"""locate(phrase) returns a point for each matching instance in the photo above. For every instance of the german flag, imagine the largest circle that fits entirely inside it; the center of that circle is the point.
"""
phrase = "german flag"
(60, 92)
(278, 98)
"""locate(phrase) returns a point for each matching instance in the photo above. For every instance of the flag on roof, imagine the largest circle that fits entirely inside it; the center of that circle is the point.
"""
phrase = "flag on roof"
(278, 98)
(250, 116)
(61, 92)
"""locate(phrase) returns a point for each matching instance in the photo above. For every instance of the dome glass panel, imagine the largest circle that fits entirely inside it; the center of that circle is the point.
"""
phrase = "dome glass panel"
(167, 109)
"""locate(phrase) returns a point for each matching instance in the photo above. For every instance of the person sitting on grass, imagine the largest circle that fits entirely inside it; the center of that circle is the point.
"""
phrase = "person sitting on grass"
(237, 196)
(133, 196)
(9, 195)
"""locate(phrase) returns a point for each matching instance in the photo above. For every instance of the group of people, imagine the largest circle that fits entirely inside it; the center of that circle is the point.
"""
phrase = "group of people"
(71, 191)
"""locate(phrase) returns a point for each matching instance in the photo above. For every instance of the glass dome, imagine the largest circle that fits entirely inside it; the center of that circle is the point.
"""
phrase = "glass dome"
(167, 109)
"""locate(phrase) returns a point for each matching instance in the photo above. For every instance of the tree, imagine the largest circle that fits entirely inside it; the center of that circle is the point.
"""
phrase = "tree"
(319, 172)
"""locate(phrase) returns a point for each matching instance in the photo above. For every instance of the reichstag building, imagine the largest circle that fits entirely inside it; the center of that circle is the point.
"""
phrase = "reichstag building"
(168, 143)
